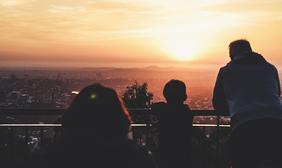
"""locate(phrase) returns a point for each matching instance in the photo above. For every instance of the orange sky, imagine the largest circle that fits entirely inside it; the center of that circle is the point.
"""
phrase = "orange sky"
(135, 32)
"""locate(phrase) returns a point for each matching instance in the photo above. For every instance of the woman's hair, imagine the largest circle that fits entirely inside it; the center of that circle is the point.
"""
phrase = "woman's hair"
(96, 112)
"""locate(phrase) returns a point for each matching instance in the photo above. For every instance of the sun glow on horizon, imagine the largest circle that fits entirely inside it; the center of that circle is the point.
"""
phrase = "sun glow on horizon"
(182, 50)
(179, 45)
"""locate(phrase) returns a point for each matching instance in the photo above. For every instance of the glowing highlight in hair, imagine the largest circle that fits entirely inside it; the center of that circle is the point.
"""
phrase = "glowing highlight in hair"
(93, 96)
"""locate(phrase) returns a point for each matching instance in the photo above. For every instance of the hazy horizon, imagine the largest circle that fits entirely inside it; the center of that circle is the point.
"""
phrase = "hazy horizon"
(44, 65)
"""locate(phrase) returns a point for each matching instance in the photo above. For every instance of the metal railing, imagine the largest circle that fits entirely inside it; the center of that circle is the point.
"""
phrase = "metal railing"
(42, 121)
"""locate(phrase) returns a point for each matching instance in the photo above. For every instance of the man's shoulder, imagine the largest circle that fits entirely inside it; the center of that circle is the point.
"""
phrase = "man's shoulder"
(271, 66)
(227, 66)
(162, 106)
(159, 106)
(231, 66)
(224, 69)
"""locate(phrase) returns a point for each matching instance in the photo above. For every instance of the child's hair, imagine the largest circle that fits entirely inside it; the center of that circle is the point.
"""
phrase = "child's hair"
(175, 91)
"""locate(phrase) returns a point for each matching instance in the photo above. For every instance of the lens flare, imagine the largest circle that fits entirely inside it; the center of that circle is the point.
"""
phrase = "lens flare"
(93, 96)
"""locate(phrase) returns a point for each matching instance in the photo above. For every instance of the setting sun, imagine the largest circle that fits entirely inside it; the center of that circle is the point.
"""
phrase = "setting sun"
(182, 50)
(179, 45)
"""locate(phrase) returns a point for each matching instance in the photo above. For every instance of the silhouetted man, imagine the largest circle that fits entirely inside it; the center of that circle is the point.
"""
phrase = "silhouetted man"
(175, 121)
(248, 88)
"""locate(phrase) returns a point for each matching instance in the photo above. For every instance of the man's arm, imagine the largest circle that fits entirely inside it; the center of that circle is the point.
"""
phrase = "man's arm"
(219, 100)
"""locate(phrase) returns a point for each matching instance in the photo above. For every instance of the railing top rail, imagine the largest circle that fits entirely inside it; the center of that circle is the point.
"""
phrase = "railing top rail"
(61, 111)
(133, 125)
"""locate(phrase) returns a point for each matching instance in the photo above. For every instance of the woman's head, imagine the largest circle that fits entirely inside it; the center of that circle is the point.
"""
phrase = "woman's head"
(98, 112)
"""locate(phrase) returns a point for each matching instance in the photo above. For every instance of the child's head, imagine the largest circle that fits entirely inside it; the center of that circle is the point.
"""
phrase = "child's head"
(175, 92)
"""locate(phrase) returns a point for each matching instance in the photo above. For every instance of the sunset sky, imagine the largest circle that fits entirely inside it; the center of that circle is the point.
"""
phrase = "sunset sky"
(135, 32)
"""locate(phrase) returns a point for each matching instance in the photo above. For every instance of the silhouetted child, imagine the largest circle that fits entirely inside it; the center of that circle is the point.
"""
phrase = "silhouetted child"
(175, 119)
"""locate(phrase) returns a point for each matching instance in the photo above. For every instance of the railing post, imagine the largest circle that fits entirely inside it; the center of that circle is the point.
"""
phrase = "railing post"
(26, 140)
(148, 143)
(41, 136)
(204, 148)
(26, 135)
(12, 143)
(217, 140)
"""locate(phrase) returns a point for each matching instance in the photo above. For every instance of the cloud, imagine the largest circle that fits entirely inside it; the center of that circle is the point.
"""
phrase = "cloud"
(13, 3)
(59, 9)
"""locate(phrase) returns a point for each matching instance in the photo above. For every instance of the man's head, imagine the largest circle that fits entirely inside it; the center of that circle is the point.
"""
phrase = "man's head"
(239, 48)
(175, 92)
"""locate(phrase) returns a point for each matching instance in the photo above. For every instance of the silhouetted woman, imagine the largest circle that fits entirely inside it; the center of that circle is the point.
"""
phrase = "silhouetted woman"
(95, 130)
(175, 123)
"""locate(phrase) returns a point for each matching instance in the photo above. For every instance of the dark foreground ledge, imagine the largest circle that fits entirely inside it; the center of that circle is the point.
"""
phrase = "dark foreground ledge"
(29, 132)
